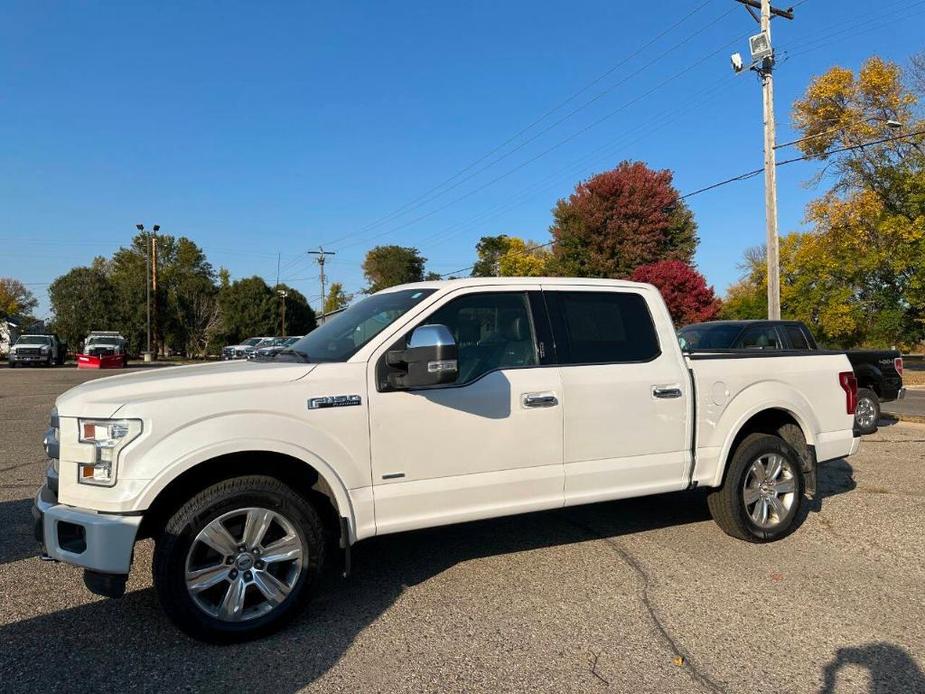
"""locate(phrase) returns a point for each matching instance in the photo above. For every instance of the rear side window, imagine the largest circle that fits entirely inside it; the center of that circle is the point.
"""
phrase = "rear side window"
(602, 327)
(795, 337)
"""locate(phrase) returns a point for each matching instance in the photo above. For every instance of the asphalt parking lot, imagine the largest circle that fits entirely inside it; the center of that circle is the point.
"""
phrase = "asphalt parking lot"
(643, 595)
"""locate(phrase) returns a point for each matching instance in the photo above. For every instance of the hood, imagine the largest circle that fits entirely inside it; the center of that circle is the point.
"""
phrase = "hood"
(104, 396)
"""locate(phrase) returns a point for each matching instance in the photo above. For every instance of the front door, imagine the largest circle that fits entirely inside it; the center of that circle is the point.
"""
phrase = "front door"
(490, 443)
(627, 418)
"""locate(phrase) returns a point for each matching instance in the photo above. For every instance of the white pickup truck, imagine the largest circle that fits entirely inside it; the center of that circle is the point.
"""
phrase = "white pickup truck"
(422, 405)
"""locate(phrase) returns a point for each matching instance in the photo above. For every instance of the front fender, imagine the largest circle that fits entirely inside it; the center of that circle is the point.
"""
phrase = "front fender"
(149, 470)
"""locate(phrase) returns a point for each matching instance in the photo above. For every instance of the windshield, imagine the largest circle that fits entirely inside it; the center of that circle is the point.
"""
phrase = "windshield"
(34, 340)
(104, 340)
(710, 336)
(343, 335)
(251, 341)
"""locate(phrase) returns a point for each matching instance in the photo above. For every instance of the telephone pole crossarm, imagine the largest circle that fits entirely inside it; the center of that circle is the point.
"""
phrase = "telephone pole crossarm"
(776, 12)
(322, 254)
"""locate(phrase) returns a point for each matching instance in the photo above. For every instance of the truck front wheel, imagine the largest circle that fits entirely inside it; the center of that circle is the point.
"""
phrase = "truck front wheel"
(238, 559)
(761, 497)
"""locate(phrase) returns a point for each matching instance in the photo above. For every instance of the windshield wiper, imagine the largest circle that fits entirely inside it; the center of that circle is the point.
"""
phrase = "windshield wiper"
(290, 352)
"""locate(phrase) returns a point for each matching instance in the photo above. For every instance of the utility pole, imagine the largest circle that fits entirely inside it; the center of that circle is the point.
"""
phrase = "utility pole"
(763, 64)
(155, 229)
(321, 254)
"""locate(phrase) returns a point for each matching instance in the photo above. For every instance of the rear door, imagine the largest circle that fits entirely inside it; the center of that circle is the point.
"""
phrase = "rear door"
(625, 392)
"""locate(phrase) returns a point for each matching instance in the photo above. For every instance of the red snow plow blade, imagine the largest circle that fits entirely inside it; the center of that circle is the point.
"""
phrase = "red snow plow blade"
(102, 361)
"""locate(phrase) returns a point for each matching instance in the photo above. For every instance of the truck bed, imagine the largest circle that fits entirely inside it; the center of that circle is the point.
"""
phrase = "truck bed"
(726, 393)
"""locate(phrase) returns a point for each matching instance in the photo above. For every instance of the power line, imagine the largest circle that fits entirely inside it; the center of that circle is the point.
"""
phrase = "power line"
(426, 195)
(649, 128)
(740, 177)
(847, 148)
(550, 149)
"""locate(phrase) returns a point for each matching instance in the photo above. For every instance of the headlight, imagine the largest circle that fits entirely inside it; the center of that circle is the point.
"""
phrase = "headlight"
(108, 436)
(44, 349)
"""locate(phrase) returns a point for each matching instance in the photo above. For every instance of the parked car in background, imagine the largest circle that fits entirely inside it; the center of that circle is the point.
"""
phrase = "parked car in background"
(43, 350)
(242, 350)
(103, 349)
(879, 372)
(423, 405)
(277, 345)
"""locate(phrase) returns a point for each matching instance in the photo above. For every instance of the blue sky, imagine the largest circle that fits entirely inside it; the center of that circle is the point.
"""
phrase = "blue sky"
(265, 128)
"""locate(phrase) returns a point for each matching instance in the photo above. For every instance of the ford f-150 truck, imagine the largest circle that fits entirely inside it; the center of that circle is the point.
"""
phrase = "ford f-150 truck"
(422, 405)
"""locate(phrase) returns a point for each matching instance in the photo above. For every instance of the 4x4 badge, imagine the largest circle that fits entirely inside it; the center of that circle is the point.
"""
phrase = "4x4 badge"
(334, 401)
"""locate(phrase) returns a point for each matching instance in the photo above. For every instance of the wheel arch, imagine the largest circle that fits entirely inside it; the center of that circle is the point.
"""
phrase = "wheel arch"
(776, 421)
(311, 479)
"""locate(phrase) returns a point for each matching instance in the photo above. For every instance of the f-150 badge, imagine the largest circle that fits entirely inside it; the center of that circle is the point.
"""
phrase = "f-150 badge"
(334, 401)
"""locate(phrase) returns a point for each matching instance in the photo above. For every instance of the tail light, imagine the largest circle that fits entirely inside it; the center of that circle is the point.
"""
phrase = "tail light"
(898, 365)
(849, 384)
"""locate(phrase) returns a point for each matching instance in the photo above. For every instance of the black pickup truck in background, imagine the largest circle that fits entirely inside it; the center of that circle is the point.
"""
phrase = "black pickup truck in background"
(879, 372)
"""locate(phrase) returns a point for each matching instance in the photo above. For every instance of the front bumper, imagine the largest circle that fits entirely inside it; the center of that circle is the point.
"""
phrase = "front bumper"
(28, 358)
(100, 542)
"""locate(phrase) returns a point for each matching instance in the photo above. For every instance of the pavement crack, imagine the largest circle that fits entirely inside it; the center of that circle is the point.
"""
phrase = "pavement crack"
(17, 465)
(680, 654)
(593, 663)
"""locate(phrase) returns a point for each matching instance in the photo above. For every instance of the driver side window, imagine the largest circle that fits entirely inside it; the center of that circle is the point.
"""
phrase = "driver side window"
(492, 331)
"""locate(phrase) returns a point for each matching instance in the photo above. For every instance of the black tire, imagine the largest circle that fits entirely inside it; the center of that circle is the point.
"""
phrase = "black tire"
(727, 504)
(868, 396)
(175, 542)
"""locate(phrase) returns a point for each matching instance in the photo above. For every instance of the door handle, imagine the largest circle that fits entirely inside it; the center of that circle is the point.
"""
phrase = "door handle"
(665, 392)
(539, 400)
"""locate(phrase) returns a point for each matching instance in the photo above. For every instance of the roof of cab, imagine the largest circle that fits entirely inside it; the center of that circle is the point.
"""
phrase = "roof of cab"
(519, 281)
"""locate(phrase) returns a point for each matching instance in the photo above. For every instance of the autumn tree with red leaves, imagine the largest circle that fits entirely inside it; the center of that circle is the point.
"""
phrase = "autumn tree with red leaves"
(619, 220)
(685, 290)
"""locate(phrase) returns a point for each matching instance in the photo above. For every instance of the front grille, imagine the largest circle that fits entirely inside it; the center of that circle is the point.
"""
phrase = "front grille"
(28, 351)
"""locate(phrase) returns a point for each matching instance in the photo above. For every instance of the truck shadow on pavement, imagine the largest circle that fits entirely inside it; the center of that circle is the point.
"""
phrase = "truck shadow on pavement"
(17, 540)
(133, 646)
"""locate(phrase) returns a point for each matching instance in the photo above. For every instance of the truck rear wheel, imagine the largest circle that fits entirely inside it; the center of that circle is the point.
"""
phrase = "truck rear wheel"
(867, 412)
(238, 559)
(761, 497)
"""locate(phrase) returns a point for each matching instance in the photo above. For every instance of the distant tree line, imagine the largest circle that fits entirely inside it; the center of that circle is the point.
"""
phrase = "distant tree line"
(194, 310)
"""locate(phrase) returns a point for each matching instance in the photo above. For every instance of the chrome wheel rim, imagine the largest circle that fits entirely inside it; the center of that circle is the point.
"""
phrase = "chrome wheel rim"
(769, 490)
(244, 564)
(864, 413)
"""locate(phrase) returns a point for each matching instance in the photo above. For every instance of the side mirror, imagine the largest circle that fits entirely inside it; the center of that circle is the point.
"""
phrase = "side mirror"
(429, 359)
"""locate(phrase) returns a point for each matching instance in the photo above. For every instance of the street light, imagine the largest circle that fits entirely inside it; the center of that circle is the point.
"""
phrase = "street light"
(141, 228)
(282, 293)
